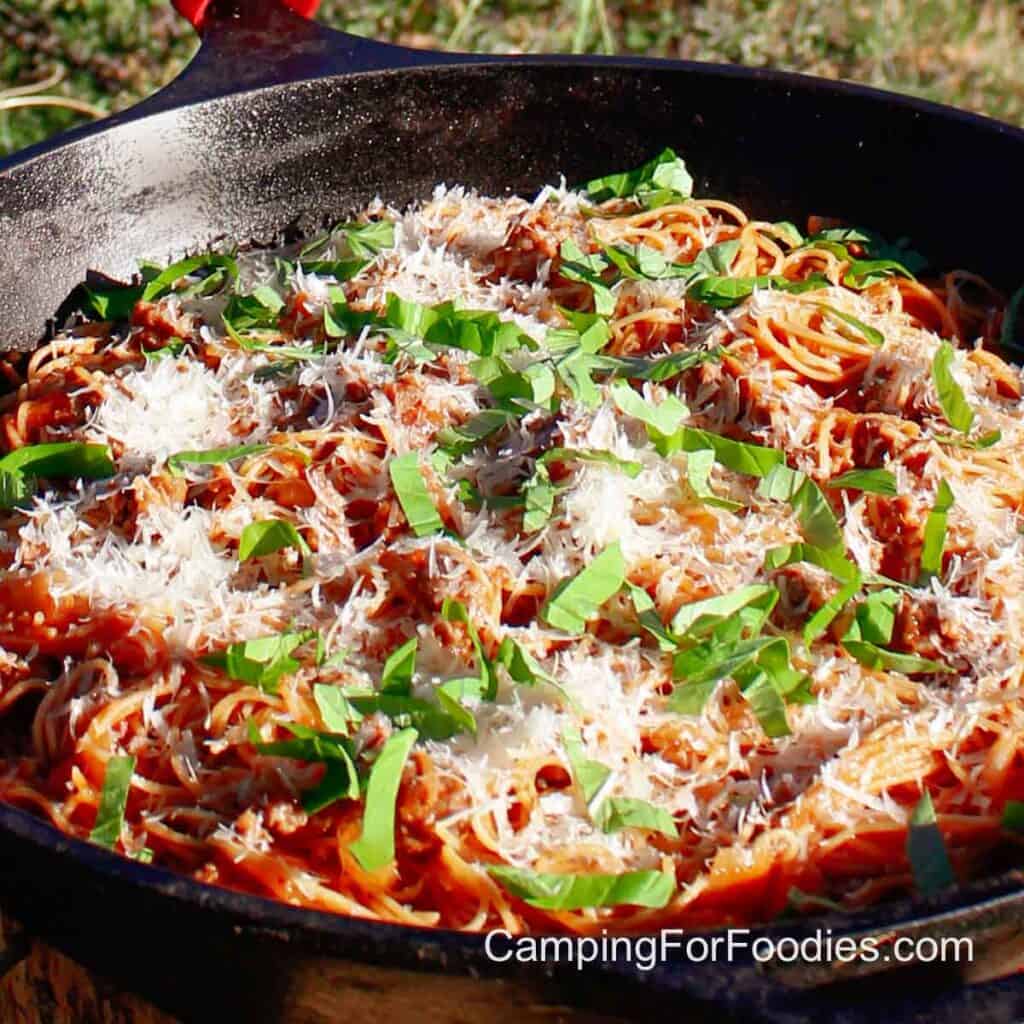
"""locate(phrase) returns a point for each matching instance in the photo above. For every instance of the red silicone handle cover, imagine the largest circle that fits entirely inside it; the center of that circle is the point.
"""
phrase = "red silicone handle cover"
(194, 10)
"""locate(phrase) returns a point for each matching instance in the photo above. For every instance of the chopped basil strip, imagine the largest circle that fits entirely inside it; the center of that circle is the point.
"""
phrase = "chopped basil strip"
(959, 415)
(117, 780)
(576, 892)
(587, 268)
(698, 618)
(647, 613)
(1013, 816)
(223, 271)
(658, 181)
(615, 813)
(212, 456)
(457, 441)
(336, 710)
(577, 599)
(263, 661)
(926, 850)
(861, 273)
(698, 475)
(833, 561)
(399, 667)
(413, 495)
(664, 417)
(935, 532)
(265, 536)
(739, 456)
(455, 611)
(590, 775)
(58, 460)
(171, 350)
(724, 292)
(873, 656)
(340, 780)
(817, 520)
(993, 437)
(431, 721)
(258, 310)
(871, 335)
(375, 847)
(872, 481)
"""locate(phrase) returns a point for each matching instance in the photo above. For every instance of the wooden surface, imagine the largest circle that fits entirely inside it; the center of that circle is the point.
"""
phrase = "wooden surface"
(40, 985)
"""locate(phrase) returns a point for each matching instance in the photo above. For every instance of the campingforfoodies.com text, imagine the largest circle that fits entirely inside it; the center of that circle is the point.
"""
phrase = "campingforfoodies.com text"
(673, 945)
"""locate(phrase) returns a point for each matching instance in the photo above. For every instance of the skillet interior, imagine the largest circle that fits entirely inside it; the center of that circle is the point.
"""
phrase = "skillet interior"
(290, 157)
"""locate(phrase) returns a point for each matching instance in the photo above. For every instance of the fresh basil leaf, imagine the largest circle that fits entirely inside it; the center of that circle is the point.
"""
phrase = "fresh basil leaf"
(538, 500)
(657, 370)
(577, 599)
(576, 892)
(959, 415)
(586, 268)
(367, 239)
(663, 177)
(413, 496)
(698, 475)
(265, 536)
(833, 561)
(115, 303)
(212, 456)
(589, 775)
(615, 813)
(789, 233)
(597, 456)
(817, 520)
(171, 350)
(709, 662)
(698, 618)
(871, 481)
(262, 661)
(739, 456)
(449, 696)
(458, 441)
(259, 309)
(725, 292)
(843, 235)
(861, 273)
(715, 260)
(871, 335)
(664, 417)
(223, 271)
(875, 617)
(337, 712)
(649, 618)
(926, 850)
(642, 263)
(399, 667)
(935, 532)
(431, 721)
(375, 847)
(873, 656)
(767, 704)
(57, 460)
(993, 437)
(456, 611)
(1013, 816)
(117, 780)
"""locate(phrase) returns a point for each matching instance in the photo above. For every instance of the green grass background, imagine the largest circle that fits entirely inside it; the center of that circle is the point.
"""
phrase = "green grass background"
(103, 55)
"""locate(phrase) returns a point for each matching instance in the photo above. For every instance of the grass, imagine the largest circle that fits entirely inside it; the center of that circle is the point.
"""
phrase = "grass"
(62, 60)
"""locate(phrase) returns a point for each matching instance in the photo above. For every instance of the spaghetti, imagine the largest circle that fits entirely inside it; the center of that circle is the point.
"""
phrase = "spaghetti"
(559, 565)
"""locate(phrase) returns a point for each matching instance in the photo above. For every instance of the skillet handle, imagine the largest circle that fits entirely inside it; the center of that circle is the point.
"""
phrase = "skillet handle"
(247, 44)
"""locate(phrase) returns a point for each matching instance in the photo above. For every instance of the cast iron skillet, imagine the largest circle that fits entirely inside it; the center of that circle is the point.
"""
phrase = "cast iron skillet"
(280, 125)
